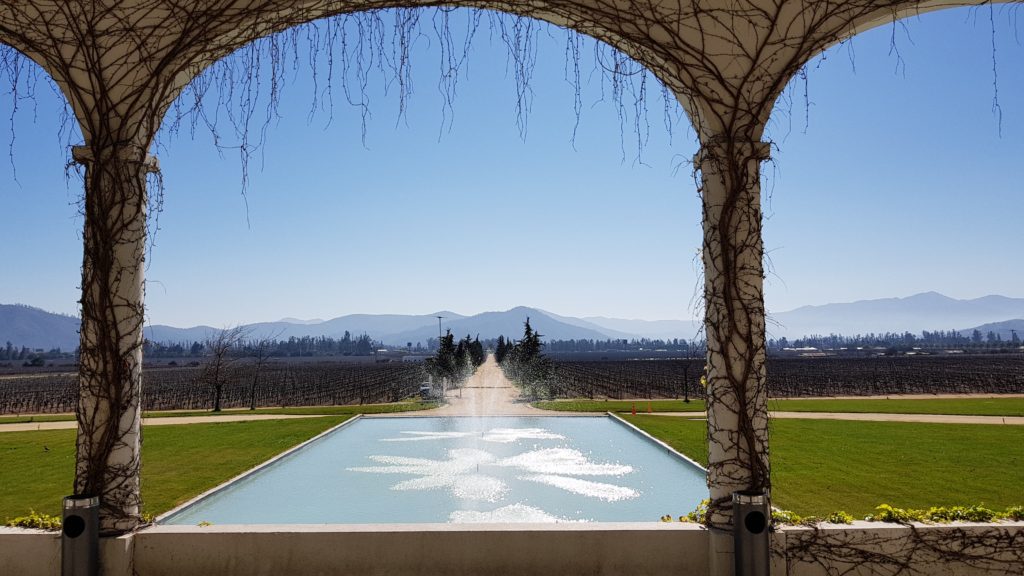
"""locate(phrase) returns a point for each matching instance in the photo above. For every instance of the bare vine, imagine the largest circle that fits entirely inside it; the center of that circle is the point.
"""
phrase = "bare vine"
(907, 550)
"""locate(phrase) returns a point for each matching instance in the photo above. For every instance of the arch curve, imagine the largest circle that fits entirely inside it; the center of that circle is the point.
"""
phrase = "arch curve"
(862, 17)
(261, 21)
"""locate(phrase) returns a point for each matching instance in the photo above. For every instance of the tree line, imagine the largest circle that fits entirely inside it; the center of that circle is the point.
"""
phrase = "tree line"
(623, 345)
(293, 347)
(524, 363)
(453, 363)
(903, 341)
(30, 357)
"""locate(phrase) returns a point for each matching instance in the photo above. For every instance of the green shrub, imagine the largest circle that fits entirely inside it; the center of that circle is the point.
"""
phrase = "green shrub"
(883, 513)
(839, 517)
(700, 514)
(943, 514)
(887, 513)
(786, 517)
(960, 513)
(36, 520)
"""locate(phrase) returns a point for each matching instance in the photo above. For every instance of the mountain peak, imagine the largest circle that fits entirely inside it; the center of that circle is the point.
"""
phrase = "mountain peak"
(924, 311)
(302, 322)
(931, 296)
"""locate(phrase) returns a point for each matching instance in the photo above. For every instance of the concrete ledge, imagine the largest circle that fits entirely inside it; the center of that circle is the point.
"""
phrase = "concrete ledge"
(438, 549)
(29, 552)
(37, 553)
(958, 548)
(961, 549)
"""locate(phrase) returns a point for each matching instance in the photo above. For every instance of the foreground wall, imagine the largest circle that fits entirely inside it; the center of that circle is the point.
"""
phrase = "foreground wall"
(541, 549)
(889, 549)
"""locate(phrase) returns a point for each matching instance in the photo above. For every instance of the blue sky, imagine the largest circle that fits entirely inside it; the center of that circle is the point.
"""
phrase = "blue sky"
(892, 179)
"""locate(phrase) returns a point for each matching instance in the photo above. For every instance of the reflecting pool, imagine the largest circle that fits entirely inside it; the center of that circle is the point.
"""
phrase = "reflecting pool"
(490, 469)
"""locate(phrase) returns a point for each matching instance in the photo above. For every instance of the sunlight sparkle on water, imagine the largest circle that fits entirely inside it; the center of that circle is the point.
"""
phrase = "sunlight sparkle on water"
(461, 472)
(505, 514)
(563, 461)
(606, 492)
(499, 435)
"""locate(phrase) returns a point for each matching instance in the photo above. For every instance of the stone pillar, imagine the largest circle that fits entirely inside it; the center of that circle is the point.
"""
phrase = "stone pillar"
(110, 362)
(735, 325)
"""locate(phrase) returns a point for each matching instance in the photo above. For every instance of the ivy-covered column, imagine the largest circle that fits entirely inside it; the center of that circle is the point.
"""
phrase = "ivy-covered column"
(735, 324)
(110, 363)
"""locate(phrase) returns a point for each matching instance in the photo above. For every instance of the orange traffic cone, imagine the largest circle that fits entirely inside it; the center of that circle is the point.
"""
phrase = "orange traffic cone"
(634, 408)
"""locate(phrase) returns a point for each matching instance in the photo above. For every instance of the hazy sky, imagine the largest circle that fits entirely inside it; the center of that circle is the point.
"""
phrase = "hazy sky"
(892, 178)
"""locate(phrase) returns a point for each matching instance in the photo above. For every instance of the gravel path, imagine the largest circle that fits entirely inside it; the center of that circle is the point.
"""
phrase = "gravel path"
(874, 417)
(932, 418)
(487, 393)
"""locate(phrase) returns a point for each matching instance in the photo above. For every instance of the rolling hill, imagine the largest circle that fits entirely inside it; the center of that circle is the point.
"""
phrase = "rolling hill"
(35, 328)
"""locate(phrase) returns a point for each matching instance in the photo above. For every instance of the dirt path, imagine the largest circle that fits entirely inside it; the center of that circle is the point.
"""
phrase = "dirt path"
(170, 420)
(928, 418)
(876, 417)
(486, 393)
(903, 397)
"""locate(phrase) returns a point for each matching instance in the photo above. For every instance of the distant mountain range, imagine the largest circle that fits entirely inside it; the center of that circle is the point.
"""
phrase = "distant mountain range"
(35, 328)
(927, 311)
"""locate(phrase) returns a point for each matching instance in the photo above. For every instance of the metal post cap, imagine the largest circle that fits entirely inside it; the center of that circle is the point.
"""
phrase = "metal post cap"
(755, 498)
(81, 502)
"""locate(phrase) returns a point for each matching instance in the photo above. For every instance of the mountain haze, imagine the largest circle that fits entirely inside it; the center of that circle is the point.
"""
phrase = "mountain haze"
(376, 326)
(656, 329)
(927, 311)
(1004, 329)
(35, 328)
(493, 324)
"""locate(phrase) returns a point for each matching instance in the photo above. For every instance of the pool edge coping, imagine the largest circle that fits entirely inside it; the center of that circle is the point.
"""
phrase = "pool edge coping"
(664, 445)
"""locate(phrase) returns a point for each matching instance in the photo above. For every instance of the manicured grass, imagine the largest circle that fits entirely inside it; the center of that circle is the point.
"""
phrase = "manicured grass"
(36, 471)
(821, 466)
(580, 405)
(178, 462)
(687, 436)
(966, 406)
(299, 410)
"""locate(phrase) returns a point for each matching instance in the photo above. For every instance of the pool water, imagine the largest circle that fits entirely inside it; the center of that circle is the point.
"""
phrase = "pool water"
(491, 469)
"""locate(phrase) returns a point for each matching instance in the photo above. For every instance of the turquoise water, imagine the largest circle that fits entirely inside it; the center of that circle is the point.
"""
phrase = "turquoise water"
(500, 469)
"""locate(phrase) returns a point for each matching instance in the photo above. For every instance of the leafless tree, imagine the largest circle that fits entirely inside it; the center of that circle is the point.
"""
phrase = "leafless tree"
(218, 366)
(261, 350)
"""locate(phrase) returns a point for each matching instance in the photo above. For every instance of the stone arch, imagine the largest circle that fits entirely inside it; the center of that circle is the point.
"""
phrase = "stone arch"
(38, 60)
(904, 10)
(578, 17)
(842, 27)
(122, 64)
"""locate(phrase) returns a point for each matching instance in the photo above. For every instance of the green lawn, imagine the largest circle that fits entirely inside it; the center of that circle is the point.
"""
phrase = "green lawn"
(820, 466)
(968, 406)
(178, 462)
(301, 410)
